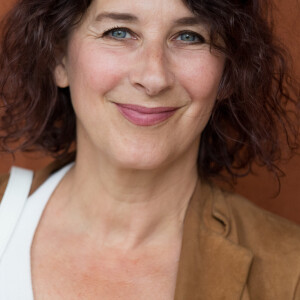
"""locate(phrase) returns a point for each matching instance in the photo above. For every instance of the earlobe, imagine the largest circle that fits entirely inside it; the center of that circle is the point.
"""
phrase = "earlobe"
(61, 76)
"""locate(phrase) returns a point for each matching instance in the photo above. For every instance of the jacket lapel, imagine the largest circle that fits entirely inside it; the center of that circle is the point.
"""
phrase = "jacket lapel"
(211, 266)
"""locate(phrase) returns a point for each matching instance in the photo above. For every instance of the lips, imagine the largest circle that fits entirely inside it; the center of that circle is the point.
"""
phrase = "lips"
(145, 116)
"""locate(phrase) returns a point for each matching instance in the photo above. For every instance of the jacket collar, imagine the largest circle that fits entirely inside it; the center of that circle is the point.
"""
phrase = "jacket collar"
(212, 264)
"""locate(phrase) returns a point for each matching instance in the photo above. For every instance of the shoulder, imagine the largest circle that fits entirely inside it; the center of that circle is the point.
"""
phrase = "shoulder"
(273, 240)
(41, 175)
(255, 224)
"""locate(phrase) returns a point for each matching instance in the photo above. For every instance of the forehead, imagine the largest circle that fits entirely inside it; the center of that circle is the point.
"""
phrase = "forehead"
(143, 10)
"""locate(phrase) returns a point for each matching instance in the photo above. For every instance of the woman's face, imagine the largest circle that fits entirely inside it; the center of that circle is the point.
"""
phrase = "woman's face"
(143, 81)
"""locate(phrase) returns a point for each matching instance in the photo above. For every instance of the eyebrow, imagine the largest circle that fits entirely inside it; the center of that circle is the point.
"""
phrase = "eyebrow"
(186, 21)
(116, 17)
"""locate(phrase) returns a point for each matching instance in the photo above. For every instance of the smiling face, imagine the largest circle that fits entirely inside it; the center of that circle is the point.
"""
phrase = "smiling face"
(143, 82)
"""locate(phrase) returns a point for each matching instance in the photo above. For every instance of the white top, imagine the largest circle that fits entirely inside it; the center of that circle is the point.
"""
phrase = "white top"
(19, 218)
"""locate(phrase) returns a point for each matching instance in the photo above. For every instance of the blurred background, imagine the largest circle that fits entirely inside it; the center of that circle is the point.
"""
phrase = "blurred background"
(260, 187)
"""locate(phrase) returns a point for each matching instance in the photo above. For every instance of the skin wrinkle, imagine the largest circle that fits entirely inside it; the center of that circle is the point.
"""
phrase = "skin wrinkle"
(131, 184)
(190, 116)
(243, 59)
(125, 199)
(159, 68)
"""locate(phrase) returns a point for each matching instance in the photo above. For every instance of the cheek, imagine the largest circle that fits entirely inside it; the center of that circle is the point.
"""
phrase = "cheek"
(97, 70)
(200, 76)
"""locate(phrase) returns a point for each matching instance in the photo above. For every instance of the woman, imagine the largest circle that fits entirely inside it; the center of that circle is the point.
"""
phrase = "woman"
(165, 94)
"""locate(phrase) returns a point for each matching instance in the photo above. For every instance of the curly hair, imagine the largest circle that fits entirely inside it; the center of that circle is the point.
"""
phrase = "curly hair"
(250, 117)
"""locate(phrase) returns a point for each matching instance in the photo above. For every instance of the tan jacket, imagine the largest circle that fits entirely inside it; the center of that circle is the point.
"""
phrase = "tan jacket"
(231, 249)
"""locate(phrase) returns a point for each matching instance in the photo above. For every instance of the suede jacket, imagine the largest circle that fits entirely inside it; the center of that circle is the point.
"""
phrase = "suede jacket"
(231, 249)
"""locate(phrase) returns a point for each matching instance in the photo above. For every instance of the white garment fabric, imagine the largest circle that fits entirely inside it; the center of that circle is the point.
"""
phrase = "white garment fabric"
(19, 218)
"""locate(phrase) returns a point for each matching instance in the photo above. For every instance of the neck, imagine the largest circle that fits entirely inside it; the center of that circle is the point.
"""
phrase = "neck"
(129, 208)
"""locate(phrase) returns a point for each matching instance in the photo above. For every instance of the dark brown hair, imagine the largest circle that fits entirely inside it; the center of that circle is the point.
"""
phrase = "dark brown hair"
(248, 121)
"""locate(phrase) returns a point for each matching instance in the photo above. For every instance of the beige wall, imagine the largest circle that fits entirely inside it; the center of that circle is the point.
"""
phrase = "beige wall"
(259, 188)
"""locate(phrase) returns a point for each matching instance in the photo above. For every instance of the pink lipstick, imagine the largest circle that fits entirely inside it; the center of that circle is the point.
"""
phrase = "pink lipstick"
(144, 116)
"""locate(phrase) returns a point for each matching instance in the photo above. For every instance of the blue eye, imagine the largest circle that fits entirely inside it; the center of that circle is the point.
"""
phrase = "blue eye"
(190, 37)
(118, 33)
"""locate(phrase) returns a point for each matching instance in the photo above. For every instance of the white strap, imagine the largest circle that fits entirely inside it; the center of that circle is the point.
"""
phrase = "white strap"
(12, 203)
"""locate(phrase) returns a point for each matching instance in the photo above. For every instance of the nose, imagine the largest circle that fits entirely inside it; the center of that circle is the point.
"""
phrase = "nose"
(151, 72)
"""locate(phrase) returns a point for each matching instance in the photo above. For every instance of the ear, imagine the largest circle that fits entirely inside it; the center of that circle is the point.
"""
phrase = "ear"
(61, 75)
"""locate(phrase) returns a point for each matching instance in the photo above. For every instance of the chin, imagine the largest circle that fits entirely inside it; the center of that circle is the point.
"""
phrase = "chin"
(140, 160)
